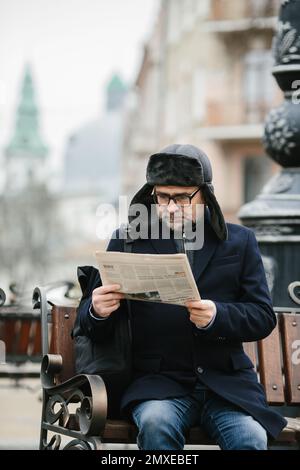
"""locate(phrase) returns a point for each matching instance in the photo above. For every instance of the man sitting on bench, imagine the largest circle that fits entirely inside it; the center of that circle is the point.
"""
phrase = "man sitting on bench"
(189, 364)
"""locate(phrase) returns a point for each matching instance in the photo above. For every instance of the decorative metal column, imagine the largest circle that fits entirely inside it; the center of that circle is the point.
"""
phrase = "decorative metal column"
(274, 215)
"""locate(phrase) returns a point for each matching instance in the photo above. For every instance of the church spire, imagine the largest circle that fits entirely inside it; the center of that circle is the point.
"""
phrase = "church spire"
(115, 93)
(26, 140)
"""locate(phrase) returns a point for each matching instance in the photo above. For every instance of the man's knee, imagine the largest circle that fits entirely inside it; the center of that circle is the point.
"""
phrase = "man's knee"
(157, 425)
(152, 415)
(258, 436)
(250, 436)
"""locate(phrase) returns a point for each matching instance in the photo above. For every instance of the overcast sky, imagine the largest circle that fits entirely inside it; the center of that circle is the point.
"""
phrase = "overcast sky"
(74, 46)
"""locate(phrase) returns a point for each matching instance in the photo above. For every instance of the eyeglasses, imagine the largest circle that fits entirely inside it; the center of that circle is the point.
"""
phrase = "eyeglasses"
(163, 199)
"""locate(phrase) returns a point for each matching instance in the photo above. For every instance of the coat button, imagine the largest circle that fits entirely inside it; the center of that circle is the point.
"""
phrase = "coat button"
(200, 370)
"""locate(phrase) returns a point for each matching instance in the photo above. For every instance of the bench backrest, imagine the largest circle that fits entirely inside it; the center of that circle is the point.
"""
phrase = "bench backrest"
(277, 361)
(276, 358)
(20, 330)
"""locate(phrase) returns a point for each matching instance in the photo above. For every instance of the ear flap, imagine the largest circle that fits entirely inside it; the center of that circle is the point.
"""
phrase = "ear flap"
(143, 195)
(216, 217)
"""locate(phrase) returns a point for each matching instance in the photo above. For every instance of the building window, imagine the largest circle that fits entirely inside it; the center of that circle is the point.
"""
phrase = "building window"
(187, 14)
(171, 114)
(257, 171)
(258, 84)
(198, 97)
(202, 8)
(174, 21)
(263, 7)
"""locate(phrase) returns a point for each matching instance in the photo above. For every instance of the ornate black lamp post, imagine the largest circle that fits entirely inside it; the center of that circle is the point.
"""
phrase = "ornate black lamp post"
(274, 215)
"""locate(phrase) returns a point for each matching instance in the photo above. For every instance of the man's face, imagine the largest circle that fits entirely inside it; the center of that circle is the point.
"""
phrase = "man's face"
(175, 214)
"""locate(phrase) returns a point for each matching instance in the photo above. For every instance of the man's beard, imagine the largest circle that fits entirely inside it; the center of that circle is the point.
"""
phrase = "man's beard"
(185, 220)
(180, 224)
(176, 221)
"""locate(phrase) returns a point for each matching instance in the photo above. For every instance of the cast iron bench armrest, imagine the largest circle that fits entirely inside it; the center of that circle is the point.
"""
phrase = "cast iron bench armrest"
(88, 391)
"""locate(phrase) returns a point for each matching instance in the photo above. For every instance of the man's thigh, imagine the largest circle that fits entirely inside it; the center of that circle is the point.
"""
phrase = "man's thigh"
(181, 413)
(231, 427)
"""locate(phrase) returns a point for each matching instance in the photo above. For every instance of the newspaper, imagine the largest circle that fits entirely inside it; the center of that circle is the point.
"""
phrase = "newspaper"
(153, 278)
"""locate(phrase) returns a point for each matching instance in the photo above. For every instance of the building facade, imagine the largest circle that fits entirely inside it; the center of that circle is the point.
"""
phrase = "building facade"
(206, 79)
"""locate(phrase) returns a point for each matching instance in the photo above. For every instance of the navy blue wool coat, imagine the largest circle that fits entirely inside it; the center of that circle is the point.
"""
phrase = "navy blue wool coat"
(170, 352)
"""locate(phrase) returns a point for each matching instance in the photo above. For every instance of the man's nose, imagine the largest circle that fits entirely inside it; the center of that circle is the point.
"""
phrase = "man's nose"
(172, 207)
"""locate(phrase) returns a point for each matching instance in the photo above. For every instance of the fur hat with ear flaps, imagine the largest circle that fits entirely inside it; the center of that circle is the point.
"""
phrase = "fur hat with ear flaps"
(183, 165)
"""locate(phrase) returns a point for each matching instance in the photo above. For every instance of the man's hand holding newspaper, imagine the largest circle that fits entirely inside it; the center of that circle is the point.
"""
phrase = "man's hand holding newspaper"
(153, 278)
(106, 299)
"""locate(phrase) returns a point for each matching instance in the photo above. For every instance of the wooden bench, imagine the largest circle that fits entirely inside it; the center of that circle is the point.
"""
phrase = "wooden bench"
(20, 334)
(75, 406)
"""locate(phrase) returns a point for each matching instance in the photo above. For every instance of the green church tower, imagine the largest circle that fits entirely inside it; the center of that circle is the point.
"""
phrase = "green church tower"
(26, 152)
(115, 93)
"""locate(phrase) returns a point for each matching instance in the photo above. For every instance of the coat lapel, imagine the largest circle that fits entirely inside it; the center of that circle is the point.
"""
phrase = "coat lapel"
(203, 256)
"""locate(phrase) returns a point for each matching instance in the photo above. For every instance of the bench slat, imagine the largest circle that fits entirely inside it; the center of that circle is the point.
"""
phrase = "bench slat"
(250, 350)
(63, 319)
(37, 342)
(17, 329)
(126, 432)
(24, 337)
(119, 431)
(270, 368)
(291, 356)
(10, 333)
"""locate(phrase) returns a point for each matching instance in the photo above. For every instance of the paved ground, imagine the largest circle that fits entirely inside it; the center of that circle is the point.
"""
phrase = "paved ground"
(20, 410)
(20, 414)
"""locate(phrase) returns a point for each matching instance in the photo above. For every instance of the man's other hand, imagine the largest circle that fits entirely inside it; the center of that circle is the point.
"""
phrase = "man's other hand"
(106, 299)
(201, 311)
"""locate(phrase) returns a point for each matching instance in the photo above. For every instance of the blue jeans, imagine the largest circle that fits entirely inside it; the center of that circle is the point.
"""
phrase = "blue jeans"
(162, 424)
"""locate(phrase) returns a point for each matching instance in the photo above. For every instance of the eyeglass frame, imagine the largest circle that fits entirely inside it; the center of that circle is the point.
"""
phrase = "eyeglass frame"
(173, 198)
